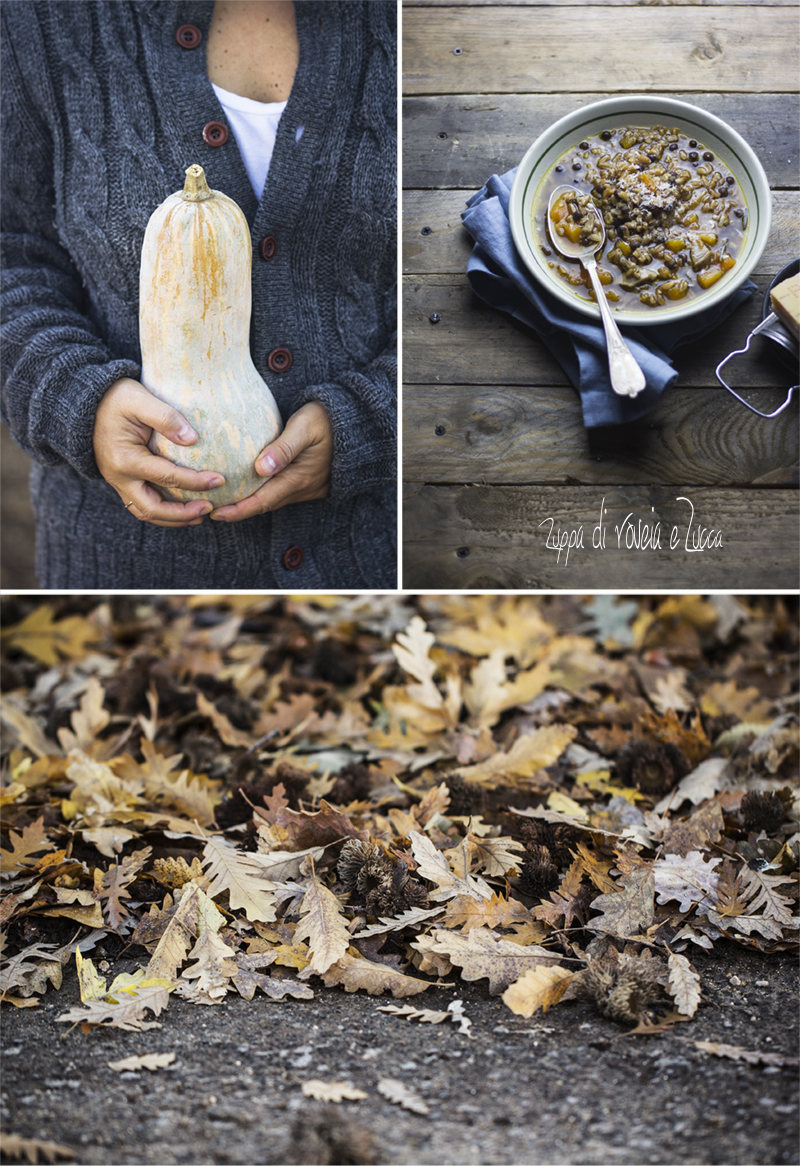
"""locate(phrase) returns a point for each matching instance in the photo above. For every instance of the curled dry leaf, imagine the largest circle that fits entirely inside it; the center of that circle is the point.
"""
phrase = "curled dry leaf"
(400, 1094)
(33, 1150)
(539, 987)
(151, 1061)
(333, 1091)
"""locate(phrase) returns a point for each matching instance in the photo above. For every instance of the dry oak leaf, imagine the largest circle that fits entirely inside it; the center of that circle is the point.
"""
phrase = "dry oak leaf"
(524, 759)
(32, 1149)
(412, 654)
(700, 830)
(305, 831)
(688, 880)
(684, 984)
(630, 909)
(489, 693)
(433, 866)
(192, 795)
(240, 874)
(335, 1091)
(568, 901)
(746, 704)
(19, 972)
(282, 865)
(481, 955)
(498, 911)
(248, 979)
(354, 973)
(27, 729)
(400, 1094)
(647, 1027)
(455, 1012)
(151, 1061)
(32, 840)
(323, 926)
(49, 641)
(540, 987)
(751, 1056)
(516, 625)
(176, 936)
(126, 1013)
(763, 888)
(494, 856)
(88, 721)
(414, 917)
(229, 735)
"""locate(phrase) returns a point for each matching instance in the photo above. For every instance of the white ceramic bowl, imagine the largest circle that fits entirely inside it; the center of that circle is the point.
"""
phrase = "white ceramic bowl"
(631, 110)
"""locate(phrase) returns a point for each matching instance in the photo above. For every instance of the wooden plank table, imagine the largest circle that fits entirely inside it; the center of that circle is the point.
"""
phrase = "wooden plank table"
(496, 460)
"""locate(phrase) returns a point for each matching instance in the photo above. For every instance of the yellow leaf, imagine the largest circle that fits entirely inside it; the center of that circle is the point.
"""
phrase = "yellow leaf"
(91, 984)
(412, 654)
(540, 987)
(321, 923)
(151, 1061)
(562, 804)
(48, 641)
(526, 756)
(332, 1091)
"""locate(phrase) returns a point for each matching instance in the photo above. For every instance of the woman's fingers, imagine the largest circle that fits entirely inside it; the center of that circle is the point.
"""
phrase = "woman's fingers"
(126, 418)
(297, 466)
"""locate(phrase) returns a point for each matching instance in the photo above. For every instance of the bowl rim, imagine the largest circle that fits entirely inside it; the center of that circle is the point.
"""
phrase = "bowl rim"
(657, 105)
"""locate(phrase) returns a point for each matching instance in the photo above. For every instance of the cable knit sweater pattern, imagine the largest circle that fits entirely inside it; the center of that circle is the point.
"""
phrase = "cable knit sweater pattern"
(103, 110)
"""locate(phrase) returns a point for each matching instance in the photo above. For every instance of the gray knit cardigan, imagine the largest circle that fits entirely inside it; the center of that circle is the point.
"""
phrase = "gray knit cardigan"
(103, 110)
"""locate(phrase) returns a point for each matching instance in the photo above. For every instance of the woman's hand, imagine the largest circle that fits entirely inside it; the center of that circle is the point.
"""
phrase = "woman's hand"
(297, 465)
(126, 417)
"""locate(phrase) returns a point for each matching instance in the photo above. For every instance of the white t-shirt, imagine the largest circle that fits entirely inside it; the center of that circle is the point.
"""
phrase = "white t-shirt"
(254, 124)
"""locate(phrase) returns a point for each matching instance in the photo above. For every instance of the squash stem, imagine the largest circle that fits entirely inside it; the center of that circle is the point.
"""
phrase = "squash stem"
(196, 189)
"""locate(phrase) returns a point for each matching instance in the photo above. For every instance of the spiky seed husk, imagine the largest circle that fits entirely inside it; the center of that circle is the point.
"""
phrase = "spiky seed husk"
(762, 811)
(653, 767)
(538, 874)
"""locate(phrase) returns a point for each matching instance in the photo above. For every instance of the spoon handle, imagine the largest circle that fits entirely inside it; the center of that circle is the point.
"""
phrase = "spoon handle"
(627, 379)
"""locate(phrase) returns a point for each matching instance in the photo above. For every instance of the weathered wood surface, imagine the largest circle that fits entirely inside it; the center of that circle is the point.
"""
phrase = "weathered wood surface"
(489, 538)
(473, 344)
(521, 49)
(598, 3)
(489, 133)
(505, 436)
(493, 439)
(447, 247)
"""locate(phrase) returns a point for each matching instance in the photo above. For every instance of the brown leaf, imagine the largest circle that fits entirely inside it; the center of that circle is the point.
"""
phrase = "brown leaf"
(751, 1056)
(629, 910)
(322, 925)
(33, 1149)
(355, 974)
(539, 987)
(481, 955)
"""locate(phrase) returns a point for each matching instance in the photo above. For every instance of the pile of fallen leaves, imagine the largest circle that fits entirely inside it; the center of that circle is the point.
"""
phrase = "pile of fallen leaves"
(558, 795)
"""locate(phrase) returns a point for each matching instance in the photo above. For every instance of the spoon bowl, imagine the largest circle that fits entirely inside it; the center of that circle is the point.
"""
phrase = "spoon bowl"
(577, 232)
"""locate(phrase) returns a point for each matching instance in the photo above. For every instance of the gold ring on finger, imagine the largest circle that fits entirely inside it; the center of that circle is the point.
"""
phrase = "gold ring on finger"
(127, 504)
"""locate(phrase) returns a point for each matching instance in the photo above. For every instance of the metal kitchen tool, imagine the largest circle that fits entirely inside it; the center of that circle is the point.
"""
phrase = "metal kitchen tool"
(773, 329)
(627, 379)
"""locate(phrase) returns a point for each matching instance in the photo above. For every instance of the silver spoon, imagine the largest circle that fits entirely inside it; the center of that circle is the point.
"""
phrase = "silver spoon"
(627, 379)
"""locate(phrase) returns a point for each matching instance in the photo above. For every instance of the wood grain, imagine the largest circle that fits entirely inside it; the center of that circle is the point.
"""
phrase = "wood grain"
(474, 344)
(489, 133)
(447, 247)
(492, 538)
(520, 49)
(509, 436)
(586, 3)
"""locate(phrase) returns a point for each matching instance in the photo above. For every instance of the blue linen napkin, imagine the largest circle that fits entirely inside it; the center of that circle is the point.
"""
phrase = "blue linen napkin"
(497, 274)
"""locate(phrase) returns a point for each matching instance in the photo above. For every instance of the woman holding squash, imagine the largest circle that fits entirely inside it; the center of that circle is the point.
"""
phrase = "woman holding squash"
(289, 112)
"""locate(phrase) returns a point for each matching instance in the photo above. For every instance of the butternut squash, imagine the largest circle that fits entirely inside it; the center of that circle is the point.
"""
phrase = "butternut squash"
(194, 328)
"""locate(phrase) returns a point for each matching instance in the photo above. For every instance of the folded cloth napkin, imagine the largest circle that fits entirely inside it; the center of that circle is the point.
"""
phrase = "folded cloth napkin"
(497, 274)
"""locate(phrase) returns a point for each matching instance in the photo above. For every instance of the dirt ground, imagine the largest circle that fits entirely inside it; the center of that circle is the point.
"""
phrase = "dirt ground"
(16, 518)
(566, 1087)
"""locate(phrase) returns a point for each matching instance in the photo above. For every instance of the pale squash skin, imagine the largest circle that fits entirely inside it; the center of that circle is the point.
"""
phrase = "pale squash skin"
(194, 329)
